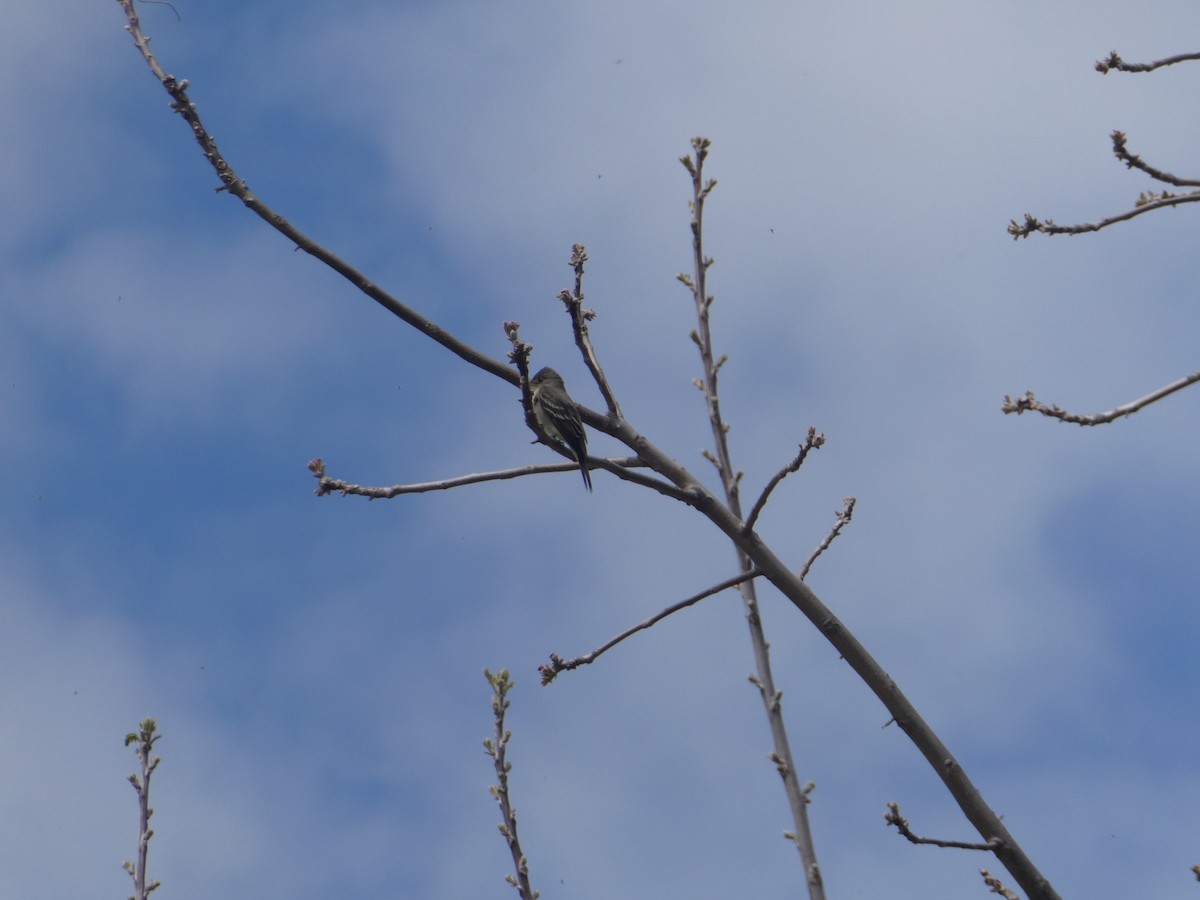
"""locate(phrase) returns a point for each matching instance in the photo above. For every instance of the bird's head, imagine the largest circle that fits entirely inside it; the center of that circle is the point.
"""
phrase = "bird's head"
(546, 376)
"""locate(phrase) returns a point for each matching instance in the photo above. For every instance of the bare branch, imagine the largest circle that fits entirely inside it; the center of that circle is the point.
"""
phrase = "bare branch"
(558, 664)
(842, 520)
(619, 467)
(1148, 203)
(1113, 61)
(1029, 403)
(231, 182)
(501, 684)
(145, 738)
(701, 336)
(893, 817)
(573, 301)
(997, 886)
(727, 517)
(1133, 161)
(812, 442)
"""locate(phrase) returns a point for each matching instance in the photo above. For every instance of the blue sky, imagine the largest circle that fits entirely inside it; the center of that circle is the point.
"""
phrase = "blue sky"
(169, 366)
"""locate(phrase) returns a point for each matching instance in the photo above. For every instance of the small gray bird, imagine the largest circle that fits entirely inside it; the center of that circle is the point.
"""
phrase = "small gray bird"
(558, 416)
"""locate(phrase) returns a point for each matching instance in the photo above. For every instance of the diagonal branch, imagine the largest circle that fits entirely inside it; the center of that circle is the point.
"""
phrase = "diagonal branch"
(753, 551)
(812, 442)
(1133, 161)
(844, 515)
(235, 185)
(1148, 203)
(997, 886)
(558, 664)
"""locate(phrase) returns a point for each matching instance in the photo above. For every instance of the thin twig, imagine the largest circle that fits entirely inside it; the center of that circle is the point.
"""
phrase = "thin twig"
(843, 517)
(1133, 161)
(1113, 61)
(781, 753)
(1032, 224)
(573, 301)
(1147, 202)
(558, 664)
(997, 886)
(622, 467)
(893, 817)
(145, 738)
(501, 684)
(1029, 403)
(812, 442)
(519, 356)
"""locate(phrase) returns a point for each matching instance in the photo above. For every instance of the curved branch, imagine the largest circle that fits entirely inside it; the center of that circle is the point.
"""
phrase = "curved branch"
(1133, 161)
(1032, 224)
(1029, 403)
(1147, 202)
(231, 182)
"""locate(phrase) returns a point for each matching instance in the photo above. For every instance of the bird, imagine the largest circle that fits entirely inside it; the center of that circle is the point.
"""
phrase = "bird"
(558, 416)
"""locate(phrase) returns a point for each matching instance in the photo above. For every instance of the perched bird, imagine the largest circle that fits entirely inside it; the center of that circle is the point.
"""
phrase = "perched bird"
(558, 416)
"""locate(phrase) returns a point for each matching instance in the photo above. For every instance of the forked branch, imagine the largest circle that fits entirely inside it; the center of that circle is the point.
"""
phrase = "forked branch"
(753, 553)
